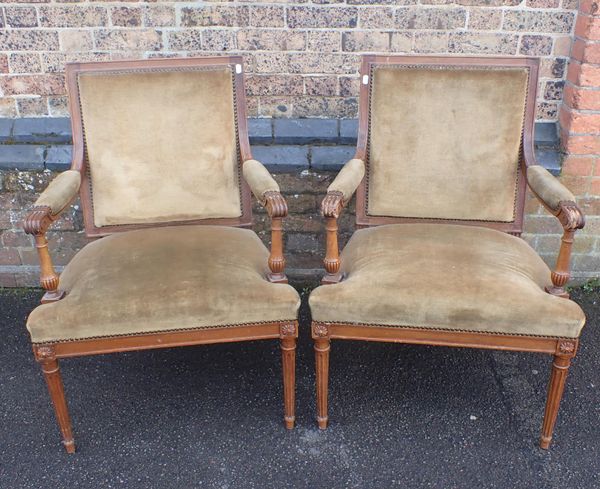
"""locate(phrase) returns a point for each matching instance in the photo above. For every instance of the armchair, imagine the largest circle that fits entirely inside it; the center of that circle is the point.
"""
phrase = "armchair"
(444, 155)
(163, 168)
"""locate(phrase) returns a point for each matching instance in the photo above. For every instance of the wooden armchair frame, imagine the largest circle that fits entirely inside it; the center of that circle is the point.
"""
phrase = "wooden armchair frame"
(568, 213)
(40, 218)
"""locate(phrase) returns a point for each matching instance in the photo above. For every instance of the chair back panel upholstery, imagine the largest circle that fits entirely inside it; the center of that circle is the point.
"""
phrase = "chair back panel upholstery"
(161, 144)
(444, 141)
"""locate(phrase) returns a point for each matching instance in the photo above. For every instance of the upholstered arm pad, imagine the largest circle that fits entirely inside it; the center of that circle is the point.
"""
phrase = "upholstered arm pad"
(259, 179)
(60, 191)
(348, 178)
(550, 191)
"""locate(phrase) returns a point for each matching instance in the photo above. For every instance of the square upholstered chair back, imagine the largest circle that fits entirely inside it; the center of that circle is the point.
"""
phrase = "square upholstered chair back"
(160, 141)
(443, 138)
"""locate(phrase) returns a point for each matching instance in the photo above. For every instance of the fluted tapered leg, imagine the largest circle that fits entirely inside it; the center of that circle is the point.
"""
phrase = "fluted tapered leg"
(288, 356)
(322, 347)
(57, 394)
(556, 388)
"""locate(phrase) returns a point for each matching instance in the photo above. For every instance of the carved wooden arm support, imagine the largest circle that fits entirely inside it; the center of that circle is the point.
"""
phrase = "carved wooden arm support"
(331, 208)
(572, 219)
(559, 201)
(339, 193)
(46, 210)
(36, 223)
(277, 209)
(265, 189)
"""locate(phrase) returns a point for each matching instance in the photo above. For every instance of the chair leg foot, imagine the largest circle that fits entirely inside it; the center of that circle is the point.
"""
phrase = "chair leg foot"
(288, 356)
(556, 388)
(57, 395)
(322, 347)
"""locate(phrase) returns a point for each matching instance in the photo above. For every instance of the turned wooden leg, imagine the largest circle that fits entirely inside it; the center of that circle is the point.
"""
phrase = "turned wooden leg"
(288, 356)
(322, 347)
(57, 394)
(556, 388)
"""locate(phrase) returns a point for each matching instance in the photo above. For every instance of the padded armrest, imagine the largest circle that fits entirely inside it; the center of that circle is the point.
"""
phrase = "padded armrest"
(60, 192)
(348, 178)
(550, 191)
(259, 179)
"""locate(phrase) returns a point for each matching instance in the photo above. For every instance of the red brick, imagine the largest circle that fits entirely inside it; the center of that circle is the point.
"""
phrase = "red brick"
(7, 279)
(9, 256)
(582, 145)
(595, 186)
(588, 52)
(582, 74)
(590, 205)
(581, 98)
(577, 165)
(542, 224)
(12, 239)
(587, 27)
(580, 123)
(577, 185)
(590, 7)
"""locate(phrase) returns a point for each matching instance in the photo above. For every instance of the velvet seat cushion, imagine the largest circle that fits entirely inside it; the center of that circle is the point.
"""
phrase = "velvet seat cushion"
(164, 279)
(445, 276)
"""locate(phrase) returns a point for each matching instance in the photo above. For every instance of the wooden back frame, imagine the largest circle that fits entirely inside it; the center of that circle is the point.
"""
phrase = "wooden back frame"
(369, 62)
(73, 70)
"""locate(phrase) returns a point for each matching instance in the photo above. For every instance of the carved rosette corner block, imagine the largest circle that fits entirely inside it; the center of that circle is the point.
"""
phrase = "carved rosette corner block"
(44, 353)
(320, 330)
(287, 329)
(566, 347)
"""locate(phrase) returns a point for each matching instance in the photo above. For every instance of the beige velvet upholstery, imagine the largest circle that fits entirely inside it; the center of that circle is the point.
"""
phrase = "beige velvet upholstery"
(259, 179)
(447, 277)
(547, 187)
(163, 279)
(444, 143)
(348, 179)
(161, 146)
(61, 191)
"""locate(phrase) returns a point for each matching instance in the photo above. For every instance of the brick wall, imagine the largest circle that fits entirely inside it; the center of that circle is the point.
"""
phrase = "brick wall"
(302, 57)
(301, 62)
(304, 155)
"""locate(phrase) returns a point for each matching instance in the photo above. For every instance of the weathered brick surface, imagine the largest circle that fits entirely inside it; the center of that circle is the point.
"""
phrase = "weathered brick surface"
(301, 60)
(313, 47)
(579, 118)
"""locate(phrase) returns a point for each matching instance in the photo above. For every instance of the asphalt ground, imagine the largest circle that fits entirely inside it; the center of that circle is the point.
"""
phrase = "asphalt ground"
(211, 416)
